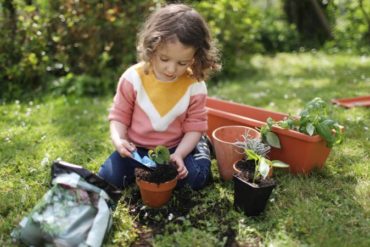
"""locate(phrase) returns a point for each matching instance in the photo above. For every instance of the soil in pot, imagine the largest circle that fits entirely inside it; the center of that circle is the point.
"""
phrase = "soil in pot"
(245, 166)
(161, 174)
(245, 171)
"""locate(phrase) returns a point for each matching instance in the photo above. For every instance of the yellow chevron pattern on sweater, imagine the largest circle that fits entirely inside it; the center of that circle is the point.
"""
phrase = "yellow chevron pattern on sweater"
(164, 95)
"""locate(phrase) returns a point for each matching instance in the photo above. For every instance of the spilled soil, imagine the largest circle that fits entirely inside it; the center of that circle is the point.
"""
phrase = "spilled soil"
(182, 208)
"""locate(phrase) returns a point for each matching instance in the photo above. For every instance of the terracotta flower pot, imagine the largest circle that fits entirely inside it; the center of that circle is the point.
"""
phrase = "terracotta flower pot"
(156, 195)
(302, 152)
(226, 152)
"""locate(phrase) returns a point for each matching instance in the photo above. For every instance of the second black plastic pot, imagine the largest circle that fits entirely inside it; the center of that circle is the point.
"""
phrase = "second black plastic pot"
(249, 197)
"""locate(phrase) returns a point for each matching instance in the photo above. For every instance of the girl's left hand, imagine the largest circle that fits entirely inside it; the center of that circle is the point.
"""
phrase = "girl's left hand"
(181, 168)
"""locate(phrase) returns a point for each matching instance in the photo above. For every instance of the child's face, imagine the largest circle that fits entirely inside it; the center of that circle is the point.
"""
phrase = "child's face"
(171, 59)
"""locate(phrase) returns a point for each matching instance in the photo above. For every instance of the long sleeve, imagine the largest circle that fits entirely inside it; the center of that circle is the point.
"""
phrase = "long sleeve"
(123, 102)
(196, 117)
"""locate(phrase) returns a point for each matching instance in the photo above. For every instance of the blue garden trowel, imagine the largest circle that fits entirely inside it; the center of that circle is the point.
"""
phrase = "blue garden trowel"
(144, 161)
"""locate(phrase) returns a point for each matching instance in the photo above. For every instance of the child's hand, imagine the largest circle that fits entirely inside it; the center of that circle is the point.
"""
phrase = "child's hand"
(181, 168)
(124, 147)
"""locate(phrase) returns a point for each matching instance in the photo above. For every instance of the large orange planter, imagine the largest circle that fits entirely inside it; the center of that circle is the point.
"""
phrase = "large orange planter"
(300, 151)
(156, 195)
(227, 154)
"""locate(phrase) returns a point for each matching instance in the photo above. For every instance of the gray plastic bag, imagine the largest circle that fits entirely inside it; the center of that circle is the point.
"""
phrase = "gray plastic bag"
(72, 213)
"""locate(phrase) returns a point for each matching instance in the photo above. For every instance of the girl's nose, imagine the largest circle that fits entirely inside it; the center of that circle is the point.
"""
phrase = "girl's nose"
(171, 68)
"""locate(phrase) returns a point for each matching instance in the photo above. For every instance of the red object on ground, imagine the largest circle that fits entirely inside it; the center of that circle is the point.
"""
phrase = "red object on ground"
(352, 102)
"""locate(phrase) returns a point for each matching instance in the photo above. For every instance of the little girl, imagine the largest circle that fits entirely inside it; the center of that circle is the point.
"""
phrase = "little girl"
(161, 100)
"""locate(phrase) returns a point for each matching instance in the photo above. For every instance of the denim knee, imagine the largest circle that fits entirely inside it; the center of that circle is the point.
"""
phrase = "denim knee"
(117, 170)
(199, 172)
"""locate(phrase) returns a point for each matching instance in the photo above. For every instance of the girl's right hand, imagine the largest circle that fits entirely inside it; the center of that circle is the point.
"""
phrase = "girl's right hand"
(124, 147)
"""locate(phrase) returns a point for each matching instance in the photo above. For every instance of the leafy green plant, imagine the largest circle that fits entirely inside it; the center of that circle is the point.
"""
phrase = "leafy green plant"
(256, 150)
(160, 154)
(262, 164)
(314, 119)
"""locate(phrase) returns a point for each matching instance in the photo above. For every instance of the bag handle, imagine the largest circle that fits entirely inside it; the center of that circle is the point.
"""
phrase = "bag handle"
(60, 167)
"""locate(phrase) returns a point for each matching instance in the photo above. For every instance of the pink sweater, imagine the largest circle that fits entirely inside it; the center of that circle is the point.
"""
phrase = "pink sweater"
(156, 112)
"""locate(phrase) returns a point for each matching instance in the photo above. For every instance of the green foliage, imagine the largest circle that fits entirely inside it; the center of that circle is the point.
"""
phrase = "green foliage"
(351, 29)
(262, 164)
(160, 155)
(276, 34)
(45, 39)
(23, 47)
(236, 31)
(242, 28)
(84, 84)
(42, 40)
(123, 231)
(268, 136)
(189, 238)
(256, 150)
(313, 119)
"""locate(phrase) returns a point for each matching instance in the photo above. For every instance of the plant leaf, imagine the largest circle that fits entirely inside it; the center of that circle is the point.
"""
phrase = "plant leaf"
(163, 154)
(269, 122)
(326, 133)
(310, 129)
(160, 155)
(251, 155)
(263, 167)
(279, 164)
(272, 139)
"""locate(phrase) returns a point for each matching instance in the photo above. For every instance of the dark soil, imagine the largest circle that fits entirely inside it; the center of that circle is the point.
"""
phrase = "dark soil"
(247, 172)
(246, 165)
(150, 222)
(161, 174)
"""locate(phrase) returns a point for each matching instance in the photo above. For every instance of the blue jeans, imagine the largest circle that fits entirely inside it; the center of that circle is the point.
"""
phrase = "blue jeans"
(120, 171)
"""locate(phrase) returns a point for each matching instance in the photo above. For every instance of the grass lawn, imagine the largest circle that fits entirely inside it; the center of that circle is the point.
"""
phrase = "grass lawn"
(329, 207)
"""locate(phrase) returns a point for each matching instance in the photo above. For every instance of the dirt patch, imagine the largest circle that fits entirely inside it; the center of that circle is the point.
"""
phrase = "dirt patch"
(150, 222)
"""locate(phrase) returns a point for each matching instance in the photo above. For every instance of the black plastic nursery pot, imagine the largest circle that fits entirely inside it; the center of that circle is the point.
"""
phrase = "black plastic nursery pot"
(249, 197)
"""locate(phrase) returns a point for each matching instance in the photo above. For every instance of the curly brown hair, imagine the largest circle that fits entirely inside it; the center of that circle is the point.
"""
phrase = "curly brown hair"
(189, 27)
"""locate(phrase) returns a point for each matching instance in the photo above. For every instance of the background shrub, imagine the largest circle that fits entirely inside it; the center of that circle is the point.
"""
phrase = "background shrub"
(47, 39)
(82, 47)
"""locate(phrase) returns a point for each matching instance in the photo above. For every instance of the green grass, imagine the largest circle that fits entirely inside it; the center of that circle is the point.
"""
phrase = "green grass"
(330, 207)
